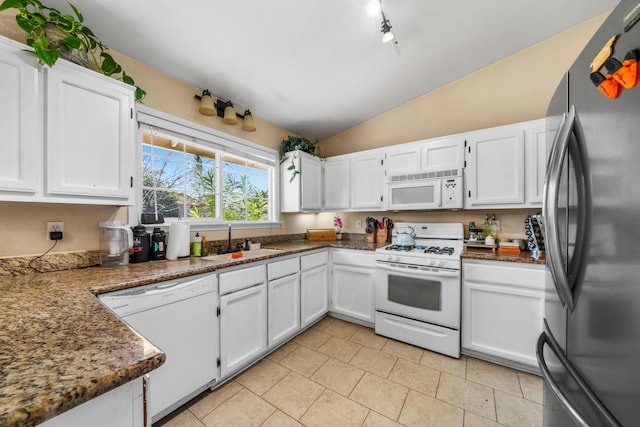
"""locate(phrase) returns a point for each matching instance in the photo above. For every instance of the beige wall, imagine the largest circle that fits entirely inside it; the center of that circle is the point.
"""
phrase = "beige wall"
(515, 89)
(22, 225)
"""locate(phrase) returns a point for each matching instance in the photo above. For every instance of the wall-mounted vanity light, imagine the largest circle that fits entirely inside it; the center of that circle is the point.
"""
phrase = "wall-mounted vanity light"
(225, 110)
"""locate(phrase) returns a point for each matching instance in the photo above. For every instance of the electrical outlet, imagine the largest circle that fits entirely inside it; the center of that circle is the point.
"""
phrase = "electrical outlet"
(358, 223)
(55, 227)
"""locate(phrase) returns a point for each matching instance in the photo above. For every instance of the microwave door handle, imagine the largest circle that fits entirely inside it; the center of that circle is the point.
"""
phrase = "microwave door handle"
(550, 210)
(437, 194)
(546, 337)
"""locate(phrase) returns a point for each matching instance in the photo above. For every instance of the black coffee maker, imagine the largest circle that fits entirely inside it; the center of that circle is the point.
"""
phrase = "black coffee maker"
(141, 250)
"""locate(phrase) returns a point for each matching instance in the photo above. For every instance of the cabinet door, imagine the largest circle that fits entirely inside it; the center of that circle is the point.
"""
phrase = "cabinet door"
(494, 175)
(284, 308)
(243, 328)
(366, 181)
(90, 135)
(20, 131)
(314, 294)
(502, 310)
(120, 407)
(536, 163)
(443, 154)
(352, 292)
(311, 179)
(403, 159)
(336, 184)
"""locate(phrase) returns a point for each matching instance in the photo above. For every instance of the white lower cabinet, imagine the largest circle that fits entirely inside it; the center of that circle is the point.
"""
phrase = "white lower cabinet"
(123, 406)
(243, 318)
(352, 284)
(502, 310)
(314, 287)
(283, 300)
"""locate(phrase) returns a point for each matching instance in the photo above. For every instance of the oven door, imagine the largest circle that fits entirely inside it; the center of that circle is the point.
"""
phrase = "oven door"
(421, 194)
(421, 293)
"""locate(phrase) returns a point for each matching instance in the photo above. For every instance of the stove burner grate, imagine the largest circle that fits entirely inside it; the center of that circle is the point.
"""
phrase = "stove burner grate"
(405, 248)
(439, 251)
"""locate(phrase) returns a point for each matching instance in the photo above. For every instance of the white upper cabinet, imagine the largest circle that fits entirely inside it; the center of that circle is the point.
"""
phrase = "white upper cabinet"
(367, 181)
(537, 142)
(442, 154)
(20, 130)
(336, 183)
(88, 145)
(89, 134)
(402, 159)
(301, 191)
(494, 176)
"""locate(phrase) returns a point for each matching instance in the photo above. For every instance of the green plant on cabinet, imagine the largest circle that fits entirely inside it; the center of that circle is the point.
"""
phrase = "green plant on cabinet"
(41, 23)
(294, 143)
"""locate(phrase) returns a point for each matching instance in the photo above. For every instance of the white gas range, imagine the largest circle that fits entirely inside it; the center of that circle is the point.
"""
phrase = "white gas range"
(417, 286)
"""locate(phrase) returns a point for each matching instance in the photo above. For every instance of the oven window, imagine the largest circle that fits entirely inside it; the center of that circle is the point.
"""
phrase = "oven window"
(411, 195)
(419, 293)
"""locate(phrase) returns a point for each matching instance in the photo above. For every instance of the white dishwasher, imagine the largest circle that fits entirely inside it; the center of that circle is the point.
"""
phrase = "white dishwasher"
(179, 317)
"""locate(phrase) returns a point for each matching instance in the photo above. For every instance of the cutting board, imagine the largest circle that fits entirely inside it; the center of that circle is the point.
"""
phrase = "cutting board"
(314, 234)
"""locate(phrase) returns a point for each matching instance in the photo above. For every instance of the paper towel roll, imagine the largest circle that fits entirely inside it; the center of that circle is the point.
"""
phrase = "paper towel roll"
(178, 245)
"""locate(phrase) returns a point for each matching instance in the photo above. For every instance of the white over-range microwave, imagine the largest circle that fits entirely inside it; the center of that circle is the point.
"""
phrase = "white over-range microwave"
(427, 190)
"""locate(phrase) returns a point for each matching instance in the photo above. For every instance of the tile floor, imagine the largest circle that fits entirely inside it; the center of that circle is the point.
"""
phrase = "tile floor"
(340, 374)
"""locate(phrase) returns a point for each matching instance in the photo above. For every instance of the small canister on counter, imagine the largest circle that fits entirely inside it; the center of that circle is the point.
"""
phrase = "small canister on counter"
(141, 245)
(158, 244)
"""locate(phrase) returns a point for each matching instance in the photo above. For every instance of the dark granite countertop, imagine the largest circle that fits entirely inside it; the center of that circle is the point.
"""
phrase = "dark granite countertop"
(60, 347)
(488, 255)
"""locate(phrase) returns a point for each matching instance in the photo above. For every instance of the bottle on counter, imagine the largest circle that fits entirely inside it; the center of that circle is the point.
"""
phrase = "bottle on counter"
(196, 246)
(494, 226)
(486, 227)
(141, 244)
(205, 248)
(158, 244)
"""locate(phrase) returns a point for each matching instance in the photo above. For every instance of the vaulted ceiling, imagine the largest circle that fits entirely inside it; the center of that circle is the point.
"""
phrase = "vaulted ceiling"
(318, 67)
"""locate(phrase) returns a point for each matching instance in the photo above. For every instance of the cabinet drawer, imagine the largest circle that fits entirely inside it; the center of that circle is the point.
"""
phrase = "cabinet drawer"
(353, 258)
(308, 262)
(283, 268)
(240, 279)
(514, 274)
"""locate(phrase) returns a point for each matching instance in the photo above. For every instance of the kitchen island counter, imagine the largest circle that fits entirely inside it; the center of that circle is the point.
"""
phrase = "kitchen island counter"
(60, 347)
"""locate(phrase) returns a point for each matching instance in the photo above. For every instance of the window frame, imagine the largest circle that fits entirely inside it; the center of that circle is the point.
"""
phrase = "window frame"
(219, 143)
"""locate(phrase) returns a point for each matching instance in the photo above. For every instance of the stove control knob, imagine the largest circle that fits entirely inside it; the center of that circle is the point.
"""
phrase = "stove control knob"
(439, 263)
(389, 258)
(396, 258)
(429, 262)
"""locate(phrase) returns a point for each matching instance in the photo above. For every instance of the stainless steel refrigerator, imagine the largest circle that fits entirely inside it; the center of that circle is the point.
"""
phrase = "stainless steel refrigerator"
(589, 352)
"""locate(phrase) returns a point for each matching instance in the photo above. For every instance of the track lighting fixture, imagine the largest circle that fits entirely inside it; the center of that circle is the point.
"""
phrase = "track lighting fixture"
(387, 34)
(226, 110)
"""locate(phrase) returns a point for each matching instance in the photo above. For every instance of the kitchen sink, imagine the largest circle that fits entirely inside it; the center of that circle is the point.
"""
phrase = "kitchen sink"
(245, 254)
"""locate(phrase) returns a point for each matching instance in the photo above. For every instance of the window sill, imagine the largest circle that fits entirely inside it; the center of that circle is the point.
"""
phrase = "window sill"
(217, 225)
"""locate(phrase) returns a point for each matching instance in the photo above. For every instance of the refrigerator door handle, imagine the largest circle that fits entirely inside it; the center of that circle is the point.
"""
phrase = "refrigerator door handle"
(546, 337)
(550, 208)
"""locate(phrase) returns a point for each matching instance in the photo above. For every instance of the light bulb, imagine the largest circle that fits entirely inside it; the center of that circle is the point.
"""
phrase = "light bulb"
(388, 36)
(373, 8)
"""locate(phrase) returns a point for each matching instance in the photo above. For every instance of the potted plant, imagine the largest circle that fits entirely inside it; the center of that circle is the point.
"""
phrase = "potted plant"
(51, 33)
(337, 225)
(294, 143)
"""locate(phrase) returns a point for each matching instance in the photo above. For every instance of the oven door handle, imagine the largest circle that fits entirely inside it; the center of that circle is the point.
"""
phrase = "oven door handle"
(408, 270)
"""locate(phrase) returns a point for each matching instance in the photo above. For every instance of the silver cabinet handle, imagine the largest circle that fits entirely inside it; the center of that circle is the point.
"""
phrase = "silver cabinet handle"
(547, 338)
(550, 209)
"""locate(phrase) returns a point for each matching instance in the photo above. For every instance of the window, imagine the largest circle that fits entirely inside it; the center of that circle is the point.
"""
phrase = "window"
(204, 177)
